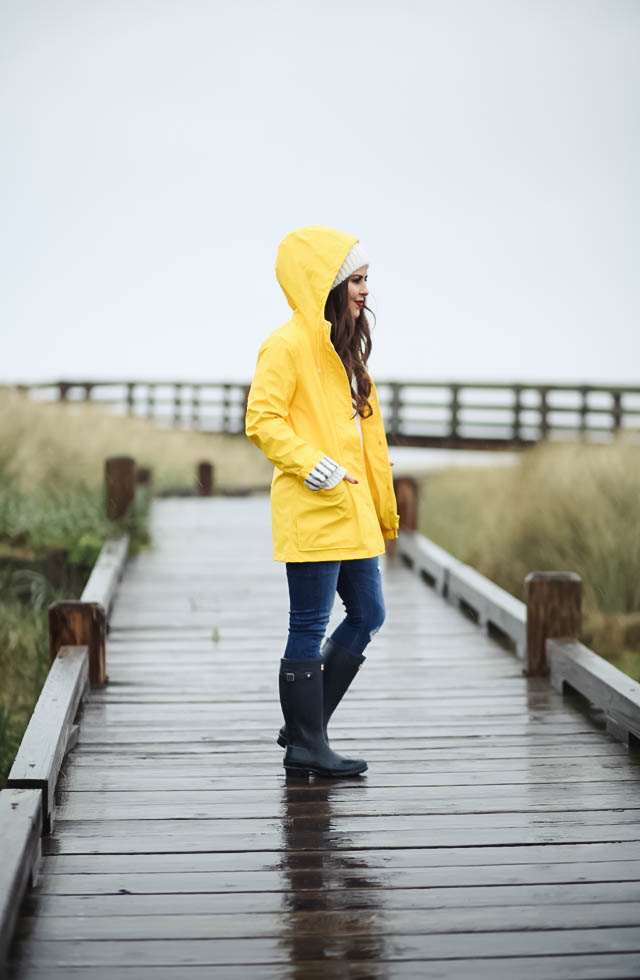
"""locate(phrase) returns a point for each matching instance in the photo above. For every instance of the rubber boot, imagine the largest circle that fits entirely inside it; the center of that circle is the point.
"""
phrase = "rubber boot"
(301, 698)
(340, 667)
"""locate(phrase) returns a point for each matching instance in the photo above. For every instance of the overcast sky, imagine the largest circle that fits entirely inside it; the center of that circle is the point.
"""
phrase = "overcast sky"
(155, 152)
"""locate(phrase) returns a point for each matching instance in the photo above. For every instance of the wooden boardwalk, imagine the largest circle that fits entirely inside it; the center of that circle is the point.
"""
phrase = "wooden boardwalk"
(495, 835)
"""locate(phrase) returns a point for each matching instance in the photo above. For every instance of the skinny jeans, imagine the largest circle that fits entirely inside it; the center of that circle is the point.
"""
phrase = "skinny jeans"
(312, 589)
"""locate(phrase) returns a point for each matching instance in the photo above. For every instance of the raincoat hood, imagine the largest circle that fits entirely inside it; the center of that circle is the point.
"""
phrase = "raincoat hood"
(307, 263)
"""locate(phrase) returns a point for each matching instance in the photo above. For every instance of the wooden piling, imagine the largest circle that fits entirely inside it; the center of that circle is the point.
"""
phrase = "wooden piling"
(76, 623)
(120, 485)
(554, 610)
(205, 479)
(406, 491)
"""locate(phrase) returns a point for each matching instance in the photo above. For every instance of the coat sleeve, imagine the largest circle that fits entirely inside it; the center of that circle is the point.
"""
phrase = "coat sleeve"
(266, 421)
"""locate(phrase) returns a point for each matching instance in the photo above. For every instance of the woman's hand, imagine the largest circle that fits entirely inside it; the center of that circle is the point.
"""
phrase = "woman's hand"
(352, 479)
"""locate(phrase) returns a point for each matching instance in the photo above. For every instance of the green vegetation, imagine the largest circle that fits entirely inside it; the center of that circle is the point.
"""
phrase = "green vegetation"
(566, 507)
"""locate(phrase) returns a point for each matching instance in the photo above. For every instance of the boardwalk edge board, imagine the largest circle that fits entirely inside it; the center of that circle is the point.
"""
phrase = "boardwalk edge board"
(51, 730)
(106, 573)
(575, 666)
(463, 585)
(20, 824)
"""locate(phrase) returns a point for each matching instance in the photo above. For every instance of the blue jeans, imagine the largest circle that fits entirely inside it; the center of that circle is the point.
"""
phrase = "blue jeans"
(312, 589)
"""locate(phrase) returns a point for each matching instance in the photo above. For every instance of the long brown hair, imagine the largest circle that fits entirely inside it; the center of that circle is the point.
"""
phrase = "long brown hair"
(351, 338)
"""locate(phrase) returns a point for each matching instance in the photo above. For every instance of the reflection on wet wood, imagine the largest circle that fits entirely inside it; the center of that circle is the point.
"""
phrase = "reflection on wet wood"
(495, 835)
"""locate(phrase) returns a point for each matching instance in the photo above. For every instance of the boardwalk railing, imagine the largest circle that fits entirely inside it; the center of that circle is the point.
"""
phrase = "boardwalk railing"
(77, 630)
(458, 415)
(544, 631)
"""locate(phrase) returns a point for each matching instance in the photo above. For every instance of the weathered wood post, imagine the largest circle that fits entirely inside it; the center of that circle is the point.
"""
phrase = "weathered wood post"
(544, 413)
(143, 475)
(616, 420)
(131, 398)
(396, 403)
(205, 479)
(245, 402)
(151, 400)
(226, 408)
(554, 609)
(454, 409)
(177, 404)
(196, 394)
(73, 622)
(406, 491)
(517, 413)
(120, 485)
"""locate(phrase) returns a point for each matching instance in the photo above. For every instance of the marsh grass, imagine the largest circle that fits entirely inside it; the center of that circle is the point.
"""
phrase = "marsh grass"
(569, 507)
(57, 445)
(24, 654)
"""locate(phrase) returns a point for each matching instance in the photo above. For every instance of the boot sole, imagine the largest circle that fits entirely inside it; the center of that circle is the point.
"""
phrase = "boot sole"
(326, 773)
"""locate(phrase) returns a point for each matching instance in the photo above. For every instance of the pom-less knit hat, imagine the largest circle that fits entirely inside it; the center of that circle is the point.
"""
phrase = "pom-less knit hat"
(356, 258)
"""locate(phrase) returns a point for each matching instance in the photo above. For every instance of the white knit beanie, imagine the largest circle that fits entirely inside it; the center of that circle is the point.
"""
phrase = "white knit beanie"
(356, 258)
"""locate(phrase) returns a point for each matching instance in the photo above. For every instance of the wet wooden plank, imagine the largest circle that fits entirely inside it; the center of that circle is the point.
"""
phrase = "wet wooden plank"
(615, 881)
(347, 922)
(377, 945)
(581, 896)
(558, 859)
(203, 804)
(599, 966)
(191, 777)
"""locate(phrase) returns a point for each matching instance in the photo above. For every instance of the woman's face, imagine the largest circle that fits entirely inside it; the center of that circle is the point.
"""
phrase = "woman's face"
(357, 290)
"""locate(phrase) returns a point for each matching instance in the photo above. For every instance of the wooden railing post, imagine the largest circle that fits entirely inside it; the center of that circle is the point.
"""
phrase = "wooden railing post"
(616, 421)
(205, 479)
(406, 490)
(584, 409)
(177, 403)
(247, 389)
(396, 409)
(143, 475)
(120, 485)
(151, 395)
(130, 398)
(454, 406)
(554, 610)
(73, 622)
(517, 410)
(195, 406)
(544, 413)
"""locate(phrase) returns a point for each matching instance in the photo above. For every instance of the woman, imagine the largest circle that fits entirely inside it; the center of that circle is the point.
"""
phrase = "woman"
(313, 411)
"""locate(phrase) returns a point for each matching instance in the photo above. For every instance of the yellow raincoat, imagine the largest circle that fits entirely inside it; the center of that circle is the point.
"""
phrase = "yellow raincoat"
(299, 409)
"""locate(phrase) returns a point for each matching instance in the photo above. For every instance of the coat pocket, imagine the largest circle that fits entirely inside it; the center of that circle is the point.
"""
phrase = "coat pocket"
(323, 519)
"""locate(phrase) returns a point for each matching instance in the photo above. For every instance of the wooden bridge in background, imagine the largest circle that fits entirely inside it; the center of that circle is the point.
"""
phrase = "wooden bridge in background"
(495, 835)
(451, 415)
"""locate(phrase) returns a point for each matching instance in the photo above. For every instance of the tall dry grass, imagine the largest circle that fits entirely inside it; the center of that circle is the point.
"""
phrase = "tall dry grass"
(56, 445)
(562, 507)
